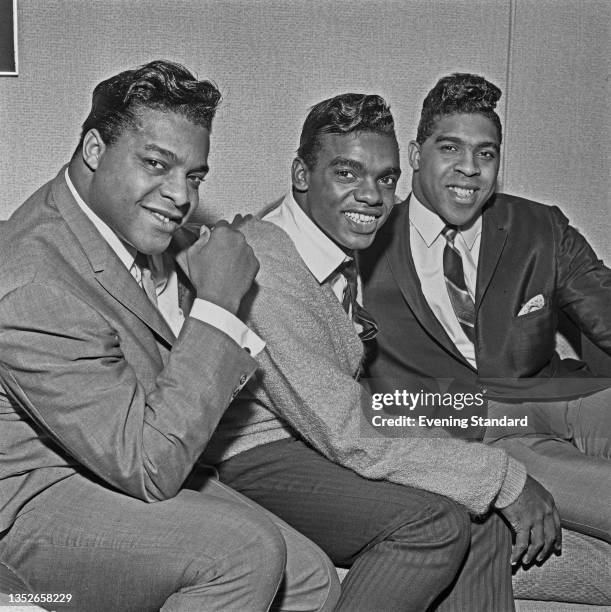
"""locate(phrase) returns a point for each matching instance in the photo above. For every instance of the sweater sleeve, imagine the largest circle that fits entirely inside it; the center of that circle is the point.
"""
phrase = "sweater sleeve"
(306, 378)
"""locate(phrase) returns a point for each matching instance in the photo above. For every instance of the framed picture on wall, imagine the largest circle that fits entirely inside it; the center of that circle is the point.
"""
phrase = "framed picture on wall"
(8, 38)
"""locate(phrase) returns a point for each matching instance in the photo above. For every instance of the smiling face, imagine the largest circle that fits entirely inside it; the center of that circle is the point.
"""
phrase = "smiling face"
(350, 190)
(455, 168)
(144, 185)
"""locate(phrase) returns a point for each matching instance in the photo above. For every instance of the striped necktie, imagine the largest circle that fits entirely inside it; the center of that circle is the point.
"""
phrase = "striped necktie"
(462, 303)
(359, 315)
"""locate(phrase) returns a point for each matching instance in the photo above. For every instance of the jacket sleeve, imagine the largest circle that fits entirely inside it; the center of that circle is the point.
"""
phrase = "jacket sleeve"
(306, 380)
(139, 428)
(583, 282)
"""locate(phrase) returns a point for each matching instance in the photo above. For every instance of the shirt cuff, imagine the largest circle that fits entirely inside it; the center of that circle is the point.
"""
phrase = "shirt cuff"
(515, 479)
(218, 317)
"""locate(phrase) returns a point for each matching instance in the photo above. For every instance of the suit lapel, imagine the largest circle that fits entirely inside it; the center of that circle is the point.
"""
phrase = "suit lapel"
(401, 264)
(119, 283)
(494, 237)
(107, 268)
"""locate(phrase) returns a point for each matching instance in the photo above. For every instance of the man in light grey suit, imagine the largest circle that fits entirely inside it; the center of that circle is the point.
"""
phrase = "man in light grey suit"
(113, 379)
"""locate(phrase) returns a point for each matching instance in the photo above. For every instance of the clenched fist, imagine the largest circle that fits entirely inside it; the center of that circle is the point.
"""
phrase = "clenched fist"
(221, 265)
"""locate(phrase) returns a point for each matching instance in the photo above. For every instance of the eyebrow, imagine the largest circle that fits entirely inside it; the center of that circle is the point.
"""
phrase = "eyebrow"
(165, 152)
(346, 161)
(479, 145)
(356, 165)
(172, 156)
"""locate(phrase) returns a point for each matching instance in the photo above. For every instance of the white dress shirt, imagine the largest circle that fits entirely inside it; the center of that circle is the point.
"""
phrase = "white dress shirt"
(427, 245)
(320, 254)
(166, 285)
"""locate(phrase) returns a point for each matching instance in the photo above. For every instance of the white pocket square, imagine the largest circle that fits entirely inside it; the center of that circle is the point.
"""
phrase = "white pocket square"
(535, 303)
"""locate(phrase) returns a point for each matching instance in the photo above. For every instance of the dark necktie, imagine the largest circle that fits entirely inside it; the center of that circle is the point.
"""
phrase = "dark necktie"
(462, 303)
(349, 302)
(186, 293)
(147, 282)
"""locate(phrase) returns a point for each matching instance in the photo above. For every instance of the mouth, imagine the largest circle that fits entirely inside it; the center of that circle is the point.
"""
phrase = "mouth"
(463, 194)
(165, 222)
(361, 219)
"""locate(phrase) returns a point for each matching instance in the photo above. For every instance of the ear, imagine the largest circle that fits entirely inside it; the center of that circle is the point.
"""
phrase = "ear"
(413, 155)
(93, 148)
(300, 174)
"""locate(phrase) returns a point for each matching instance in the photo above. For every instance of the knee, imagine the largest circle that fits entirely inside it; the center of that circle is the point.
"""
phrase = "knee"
(310, 577)
(451, 523)
(321, 589)
(440, 523)
(247, 545)
(329, 588)
(266, 547)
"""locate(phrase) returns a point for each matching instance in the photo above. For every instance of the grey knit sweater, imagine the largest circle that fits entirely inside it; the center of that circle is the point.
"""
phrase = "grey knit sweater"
(306, 388)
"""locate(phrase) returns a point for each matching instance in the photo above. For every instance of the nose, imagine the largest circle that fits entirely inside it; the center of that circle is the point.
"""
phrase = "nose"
(176, 189)
(369, 193)
(467, 164)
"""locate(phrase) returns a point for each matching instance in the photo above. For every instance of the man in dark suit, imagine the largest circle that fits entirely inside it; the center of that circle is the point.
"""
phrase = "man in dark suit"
(467, 287)
(113, 378)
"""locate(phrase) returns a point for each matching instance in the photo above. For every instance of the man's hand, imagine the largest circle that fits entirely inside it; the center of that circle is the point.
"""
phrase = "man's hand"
(222, 266)
(535, 522)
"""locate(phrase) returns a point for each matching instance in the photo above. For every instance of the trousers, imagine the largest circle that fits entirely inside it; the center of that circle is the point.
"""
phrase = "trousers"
(566, 446)
(207, 549)
(408, 550)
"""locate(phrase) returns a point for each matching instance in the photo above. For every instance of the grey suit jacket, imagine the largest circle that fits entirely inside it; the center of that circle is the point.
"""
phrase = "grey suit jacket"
(93, 380)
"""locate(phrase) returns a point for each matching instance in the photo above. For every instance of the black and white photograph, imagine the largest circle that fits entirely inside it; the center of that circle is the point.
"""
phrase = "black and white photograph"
(305, 306)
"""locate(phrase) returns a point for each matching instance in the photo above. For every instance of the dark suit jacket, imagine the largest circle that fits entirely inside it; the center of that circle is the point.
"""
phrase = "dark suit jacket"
(94, 380)
(527, 249)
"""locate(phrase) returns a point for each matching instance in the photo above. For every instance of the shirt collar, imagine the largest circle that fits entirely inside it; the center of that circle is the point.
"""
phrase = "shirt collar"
(320, 254)
(126, 253)
(429, 224)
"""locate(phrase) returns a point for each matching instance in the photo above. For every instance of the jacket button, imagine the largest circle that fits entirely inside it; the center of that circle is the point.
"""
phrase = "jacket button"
(243, 379)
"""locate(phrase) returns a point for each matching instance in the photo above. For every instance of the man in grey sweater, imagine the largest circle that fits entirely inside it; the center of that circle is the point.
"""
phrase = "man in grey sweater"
(300, 439)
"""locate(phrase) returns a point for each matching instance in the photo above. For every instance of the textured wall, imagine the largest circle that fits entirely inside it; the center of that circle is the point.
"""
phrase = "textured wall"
(559, 143)
(273, 59)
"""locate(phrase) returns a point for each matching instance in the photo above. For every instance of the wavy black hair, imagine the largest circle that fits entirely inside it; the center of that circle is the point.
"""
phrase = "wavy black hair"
(161, 85)
(459, 93)
(343, 114)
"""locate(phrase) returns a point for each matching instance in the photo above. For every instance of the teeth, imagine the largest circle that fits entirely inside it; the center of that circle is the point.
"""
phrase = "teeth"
(360, 218)
(461, 192)
(161, 217)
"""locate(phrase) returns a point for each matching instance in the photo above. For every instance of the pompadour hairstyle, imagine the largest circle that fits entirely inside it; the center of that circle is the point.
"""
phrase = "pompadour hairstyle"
(343, 114)
(160, 85)
(459, 93)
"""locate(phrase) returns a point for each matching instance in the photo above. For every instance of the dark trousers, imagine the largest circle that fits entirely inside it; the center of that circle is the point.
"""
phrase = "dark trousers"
(407, 549)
